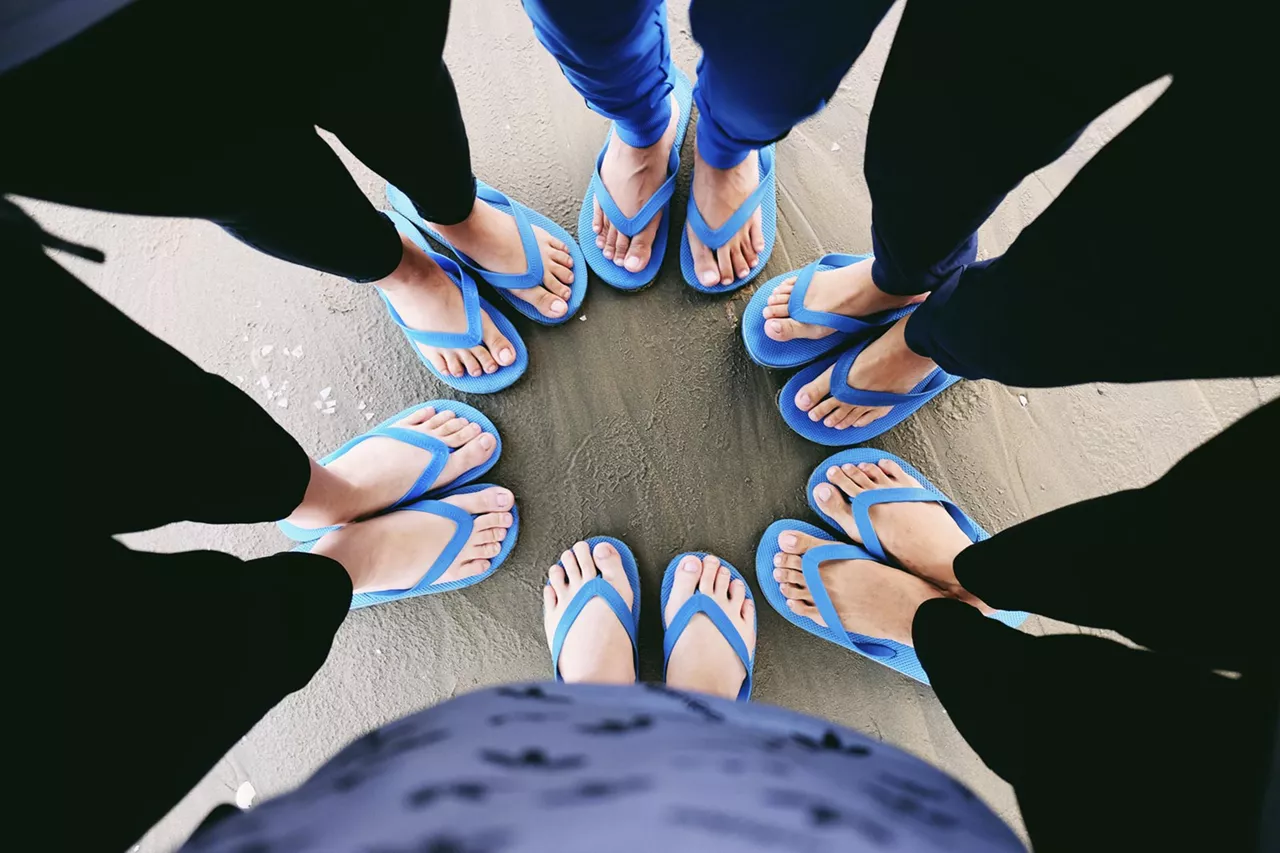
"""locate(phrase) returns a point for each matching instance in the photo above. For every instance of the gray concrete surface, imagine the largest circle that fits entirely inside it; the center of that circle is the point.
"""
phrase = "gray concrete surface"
(643, 418)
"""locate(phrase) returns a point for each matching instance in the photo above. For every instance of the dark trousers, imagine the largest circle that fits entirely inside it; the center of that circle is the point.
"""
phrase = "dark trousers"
(1110, 747)
(1149, 265)
(209, 110)
(170, 658)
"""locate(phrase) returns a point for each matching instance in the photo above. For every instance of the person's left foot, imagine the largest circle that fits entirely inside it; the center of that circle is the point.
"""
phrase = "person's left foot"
(849, 291)
(872, 599)
(492, 239)
(887, 364)
(702, 659)
(922, 537)
(718, 194)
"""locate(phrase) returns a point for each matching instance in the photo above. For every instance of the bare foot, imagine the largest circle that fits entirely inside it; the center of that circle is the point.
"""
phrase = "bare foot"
(887, 364)
(848, 291)
(379, 470)
(428, 300)
(597, 649)
(921, 537)
(394, 551)
(718, 193)
(632, 176)
(491, 238)
(872, 599)
(702, 659)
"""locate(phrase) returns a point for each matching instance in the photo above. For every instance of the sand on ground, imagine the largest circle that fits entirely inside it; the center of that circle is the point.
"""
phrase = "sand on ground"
(642, 418)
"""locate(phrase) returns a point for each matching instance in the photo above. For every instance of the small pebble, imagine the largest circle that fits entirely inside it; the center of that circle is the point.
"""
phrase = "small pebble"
(331, 404)
(1022, 398)
(245, 795)
(360, 406)
(325, 392)
(368, 416)
(283, 402)
(326, 411)
(297, 352)
(835, 146)
(582, 317)
(239, 380)
(267, 349)
(318, 404)
(265, 382)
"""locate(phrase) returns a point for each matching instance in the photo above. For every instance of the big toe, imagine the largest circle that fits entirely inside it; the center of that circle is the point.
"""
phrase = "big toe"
(492, 499)
(609, 562)
(688, 573)
(814, 392)
(638, 254)
(828, 497)
(474, 453)
(781, 329)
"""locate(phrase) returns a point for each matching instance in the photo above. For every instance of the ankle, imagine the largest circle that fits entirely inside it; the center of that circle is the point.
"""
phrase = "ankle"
(330, 499)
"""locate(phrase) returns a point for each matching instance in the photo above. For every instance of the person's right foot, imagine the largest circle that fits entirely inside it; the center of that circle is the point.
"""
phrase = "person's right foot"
(702, 659)
(394, 551)
(848, 291)
(597, 649)
(378, 470)
(872, 599)
(632, 176)
(428, 300)
(922, 537)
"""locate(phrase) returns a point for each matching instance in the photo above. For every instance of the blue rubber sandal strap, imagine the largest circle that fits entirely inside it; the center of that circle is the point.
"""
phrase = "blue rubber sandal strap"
(438, 449)
(473, 336)
(846, 393)
(714, 238)
(533, 274)
(633, 225)
(597, 587)
(797, 311)
(863, 501)
(702, 603)
(810, 565)
(462, 532)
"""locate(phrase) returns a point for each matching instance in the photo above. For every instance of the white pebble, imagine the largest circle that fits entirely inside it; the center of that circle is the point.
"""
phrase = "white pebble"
(368, 416)
(244, 338)
(360, 406)
(265, 382)
(283, 402)
(239, 380)
(377, 651)
(297, 352)
(835, 146)
(326, 411)
(582, 317)
(245, 795)
(325, 392)
(331, 404)
(1022, 398)
(318, 404)
(267, 349)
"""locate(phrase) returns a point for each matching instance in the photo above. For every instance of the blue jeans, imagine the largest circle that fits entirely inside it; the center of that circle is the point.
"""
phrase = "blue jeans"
(760, 74)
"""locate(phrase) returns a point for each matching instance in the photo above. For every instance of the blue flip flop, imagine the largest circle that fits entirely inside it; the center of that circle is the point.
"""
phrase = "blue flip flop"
(703, 603)
(462, 532)
(474, 303)
(659, 203)
(770, 353)
(506, 282)
(439, 458)
(861, 504)
(903, 405)
(765, 197)
(891, 653)
(598, 587)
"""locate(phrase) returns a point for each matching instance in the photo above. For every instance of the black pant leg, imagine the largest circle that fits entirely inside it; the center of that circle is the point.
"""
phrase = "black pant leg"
(1184, 565)
(183, 654)
(238, 146)
(1107, 748)
(212, 455)
(974, 97)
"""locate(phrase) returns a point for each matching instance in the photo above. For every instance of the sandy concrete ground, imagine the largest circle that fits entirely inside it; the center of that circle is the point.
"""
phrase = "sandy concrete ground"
(643, 418)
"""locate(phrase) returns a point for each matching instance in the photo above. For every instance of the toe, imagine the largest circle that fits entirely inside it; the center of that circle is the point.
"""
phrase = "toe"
(469, 362)
(438, 361)
(795, 542)
(781, 330)
(454, 363)
(782, 293)
(597, 217)
(737, 590)
(710, 571)
(844, 482)
(858, 480)
(725, 265)
(548, 303)
(571, 568)
(755, 232)
(895, 473)
(605, 242)
(688, 575)
(492, 499)
(800, 608)
(868, 416)
(421, 418)
(824, 409)
(493, 521)
(704, 263)
(451, 427)
(558, 278)
(749, 614)
(831, 500)
(789, 576)
(582, 551)
(503, 351)
(874, 474)
(609, 562)
(788, 561)
(559, 580)
(482, 355)
(809, 394)
(738, 260)
(549, 598)
(640, 251)
(621, 243)
(793, 592)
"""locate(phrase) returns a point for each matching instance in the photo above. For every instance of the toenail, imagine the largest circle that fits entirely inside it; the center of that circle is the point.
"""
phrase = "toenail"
(802, 399)
(605, 549)
(690, 564)
(775, 325)
(788, 540)
(633, 264)
(743, 272)
(778, 574)
(506, 356)
(710, 277)
(777, 559)
(823, 492)
(502, 500)
(486, 441)
(558, 307)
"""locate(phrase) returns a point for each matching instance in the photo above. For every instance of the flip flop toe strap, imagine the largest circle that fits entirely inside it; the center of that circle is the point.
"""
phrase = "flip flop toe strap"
(846, 393)
(533, 274)
(811, 565)
(714, 238)
(862, 502)
(473, 336)
(463, 522)
(702, 603)
(597, 587)
(797, 311)
(633, 225)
